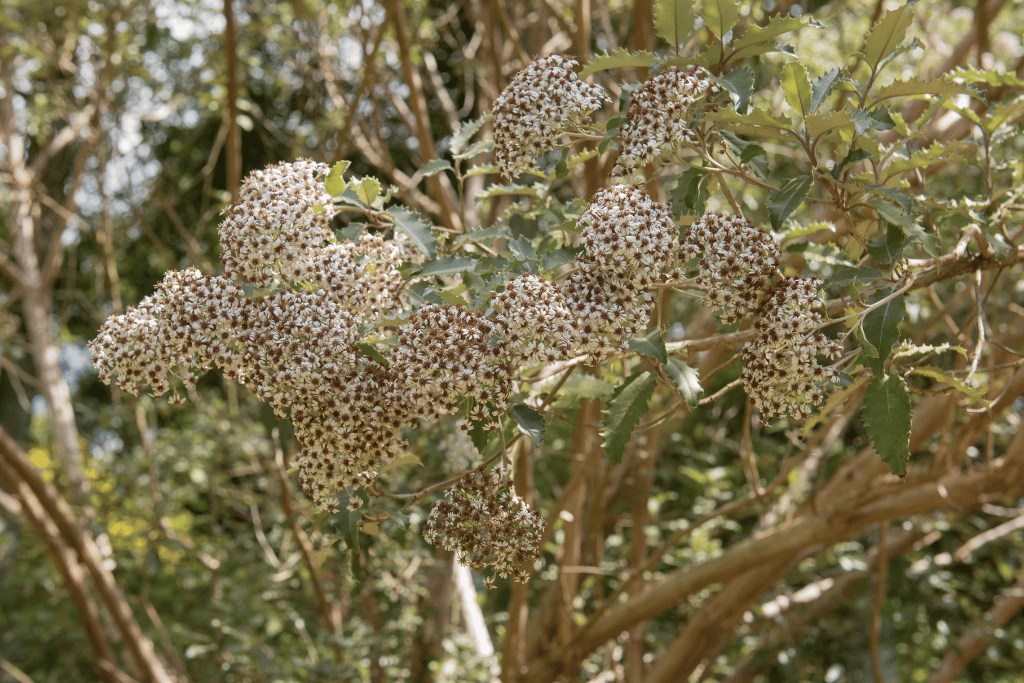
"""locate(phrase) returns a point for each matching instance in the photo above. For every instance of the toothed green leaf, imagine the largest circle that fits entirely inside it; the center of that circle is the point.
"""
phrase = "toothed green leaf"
(413, 227)
(787, 199)
(333, 184)
(881, 327)
(624, 412)
(685, 380)
(615, 60)
(886, 35)
(887, 417)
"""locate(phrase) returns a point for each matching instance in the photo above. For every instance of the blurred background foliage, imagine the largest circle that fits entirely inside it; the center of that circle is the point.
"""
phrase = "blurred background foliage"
(188, 504)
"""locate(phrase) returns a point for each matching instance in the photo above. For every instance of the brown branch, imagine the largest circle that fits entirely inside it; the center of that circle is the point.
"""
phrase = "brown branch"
(874, 505)
(439, 185)
(66, 562)
(22, 473)
(974, 641)
(233, 148)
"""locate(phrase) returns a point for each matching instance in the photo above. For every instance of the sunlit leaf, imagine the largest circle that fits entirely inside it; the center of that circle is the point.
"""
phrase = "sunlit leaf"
(720, 16)
(615, 60)
(673, 20)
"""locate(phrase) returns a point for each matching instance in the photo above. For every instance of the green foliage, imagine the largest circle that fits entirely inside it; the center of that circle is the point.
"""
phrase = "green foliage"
(720, 16)
(886, 415)
(673, 21)
(192, 500)
(625, 409)
(880, 327)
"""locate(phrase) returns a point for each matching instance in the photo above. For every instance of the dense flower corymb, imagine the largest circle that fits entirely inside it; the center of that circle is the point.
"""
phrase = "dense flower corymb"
(272, 229)
(543, 101)
(781, 371)
(737, 262)
(487, 524)
(660, 114)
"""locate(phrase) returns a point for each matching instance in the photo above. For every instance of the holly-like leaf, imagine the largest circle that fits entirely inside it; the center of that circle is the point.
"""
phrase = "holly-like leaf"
(822, 87)
(818, 124)
(479, 435)
(1002, 113)
(673, 20)
(720, 16)
(435, 166)
(624, 412)
(650, 344)
(972, 76)
(685, 380)
(413, 227)
(760, 39)
(886, 413)
(787, 199)
(466, 131)
(615, 60)
(937, 153)
(946, 378)
(881, 327)
(690, 192)
(447, 265)
(531, 423)
(488, 234)
(886, 35)
(918, 88)
(522, 249)
(333, 183)
(757, 123)
(797, 88)
(367, 189)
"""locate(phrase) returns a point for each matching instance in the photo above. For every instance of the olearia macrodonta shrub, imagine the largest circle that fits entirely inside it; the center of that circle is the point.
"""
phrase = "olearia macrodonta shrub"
(357, 339)
(296, 315)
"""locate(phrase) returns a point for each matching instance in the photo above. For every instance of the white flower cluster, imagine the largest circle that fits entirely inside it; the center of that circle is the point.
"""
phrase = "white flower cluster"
(781, 371)
(534, 320)
(543, 101)
(627, 235)
(737, 262)
(444, 357)
(660, 114)
(272, 231)
(628, 241)
(295, 345)
(183, 327)
(487, 524)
